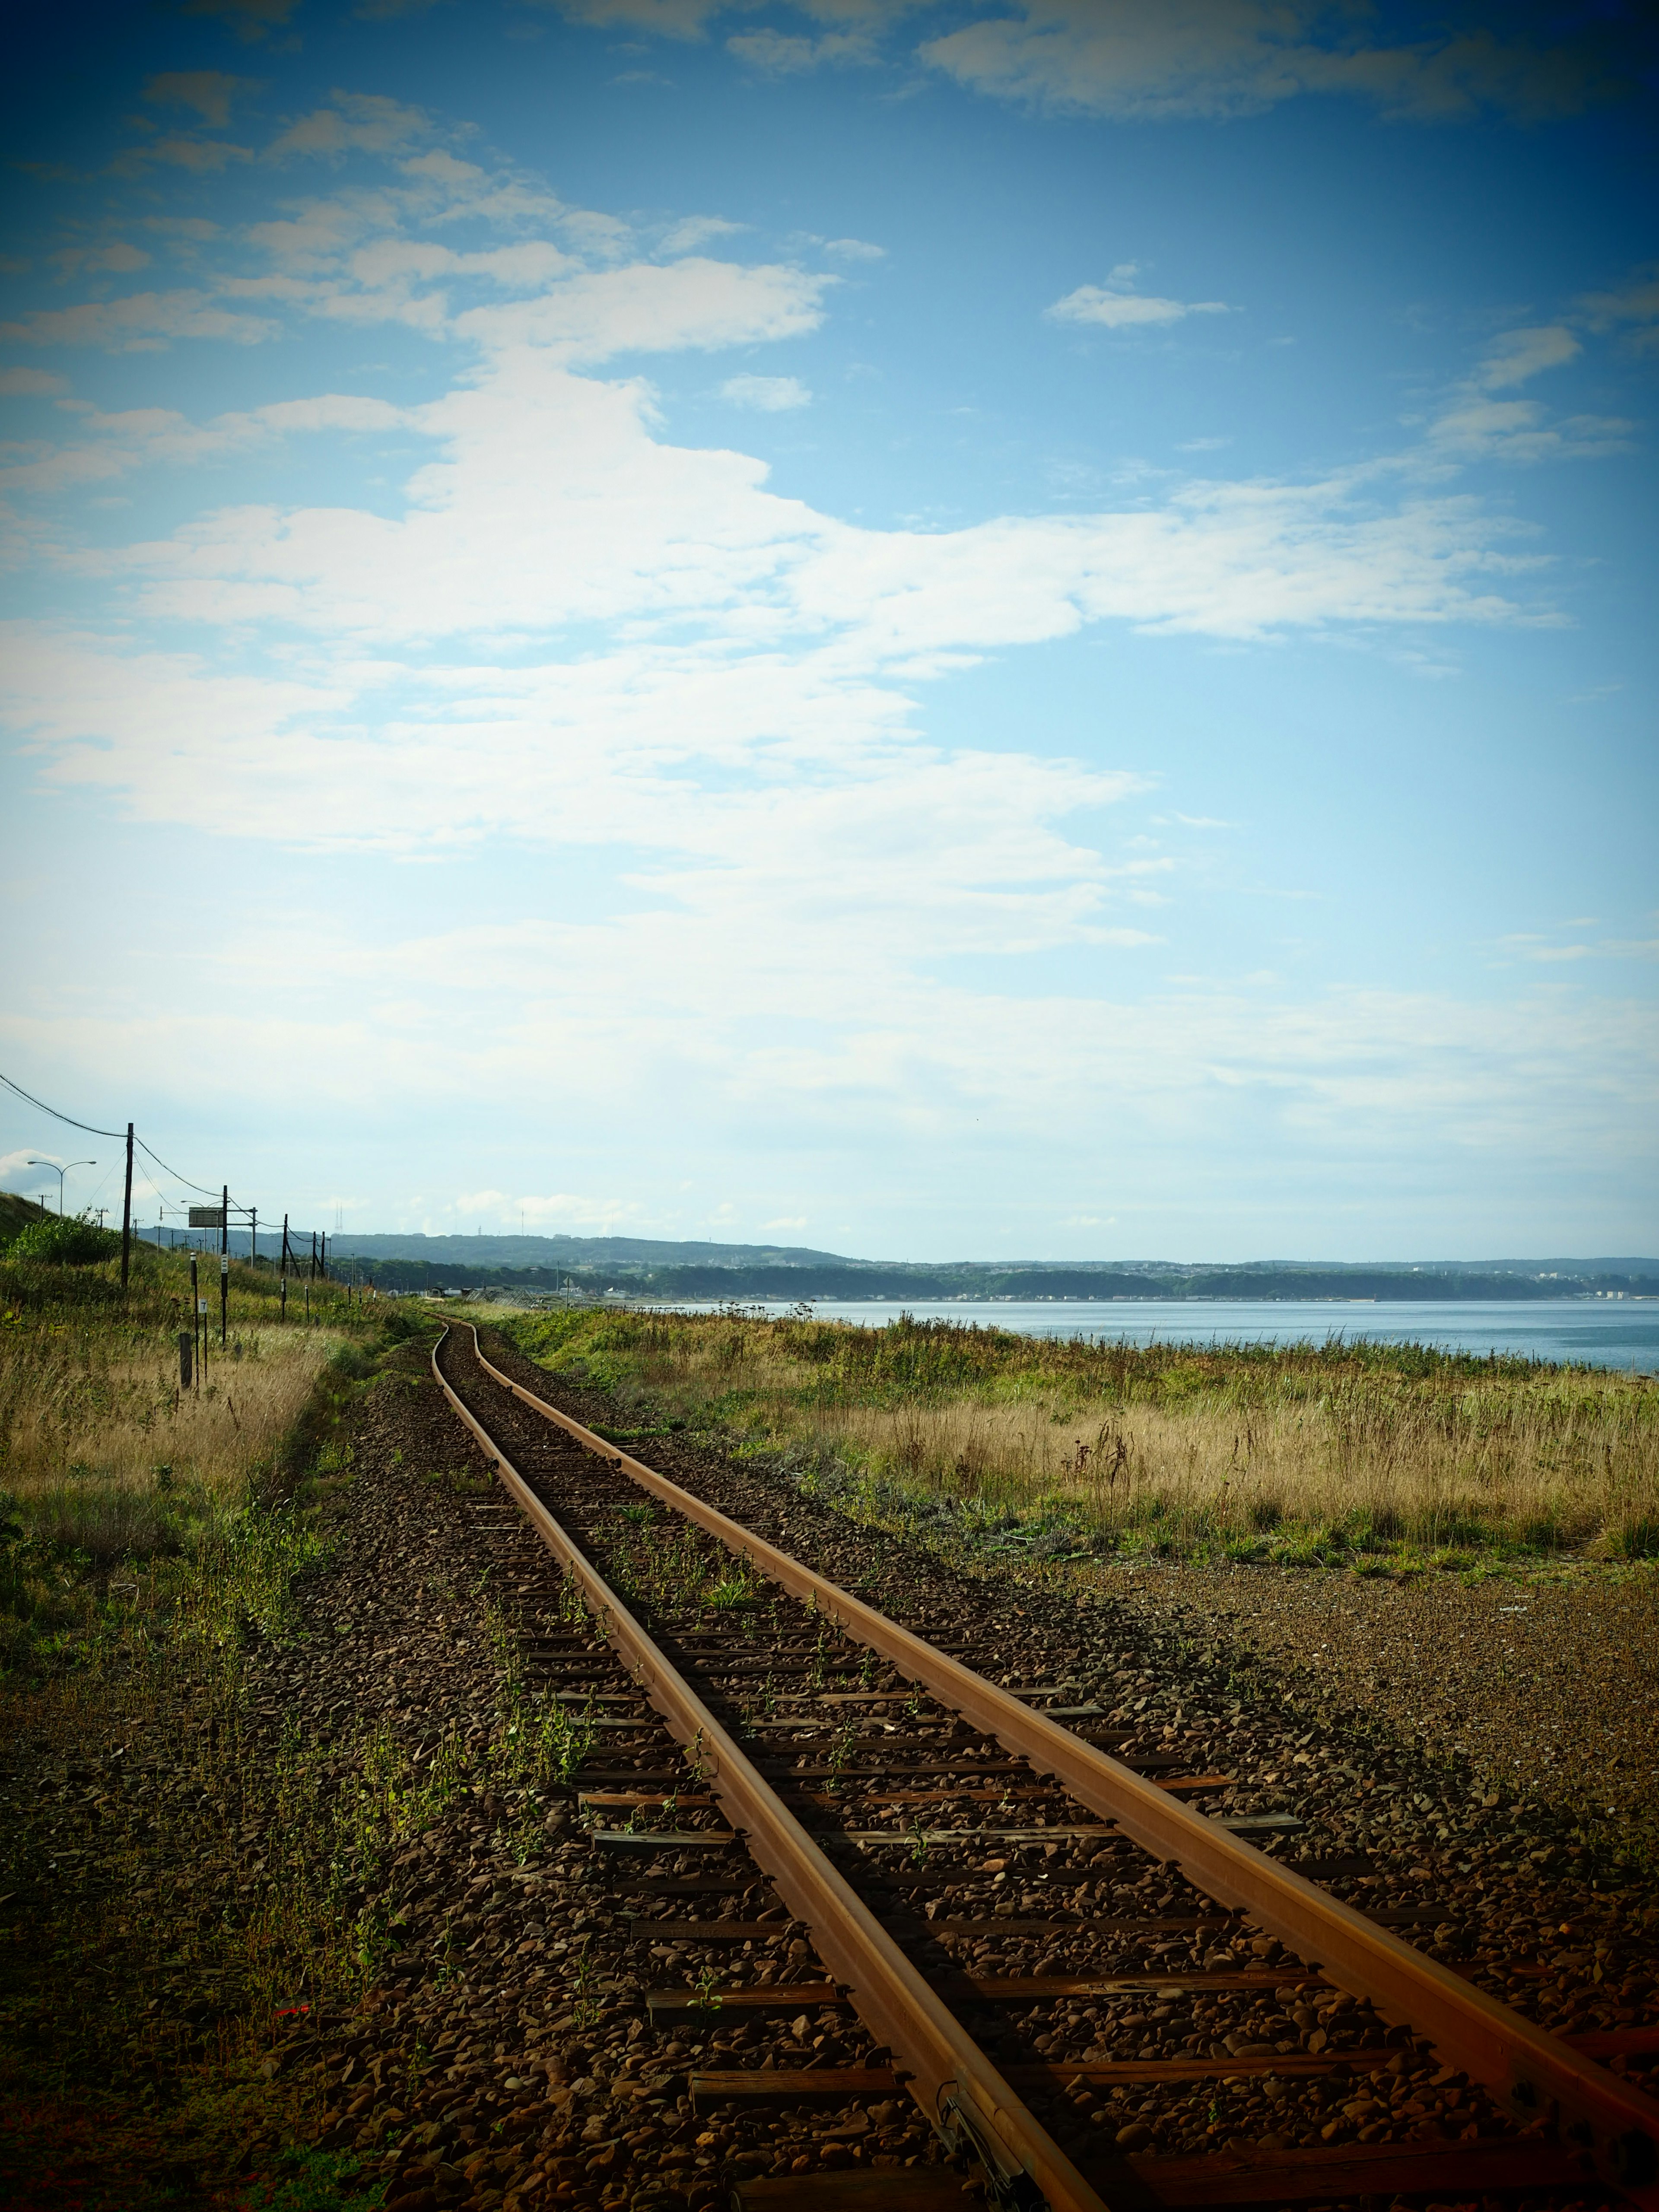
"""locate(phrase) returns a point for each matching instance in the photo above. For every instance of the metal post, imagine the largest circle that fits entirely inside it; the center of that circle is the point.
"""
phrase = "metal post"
(195, 1303)
(224, 1263)
(126, 1215)
(254, 1236)
(285, 1269)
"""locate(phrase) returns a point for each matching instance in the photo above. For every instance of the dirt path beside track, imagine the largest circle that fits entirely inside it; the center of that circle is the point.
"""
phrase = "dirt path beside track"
(1549, 1684)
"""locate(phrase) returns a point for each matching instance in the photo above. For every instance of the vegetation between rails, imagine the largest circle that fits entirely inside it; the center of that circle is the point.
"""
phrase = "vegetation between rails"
(1380, 1457)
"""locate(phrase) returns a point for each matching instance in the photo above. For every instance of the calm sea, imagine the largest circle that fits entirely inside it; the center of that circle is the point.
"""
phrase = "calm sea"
(1602, 1332)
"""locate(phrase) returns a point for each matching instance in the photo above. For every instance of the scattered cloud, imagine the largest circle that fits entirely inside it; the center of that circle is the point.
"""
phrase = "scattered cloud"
(30, 384)
(1117, 307)
(1541, 950)
(251, 20)
(854, 249)
(692, 231)
(1633, 309)
(210, 92)
(1520, 354)
(668, 19)
(140, 322)
(778, 54)
(114, 444)
(94, 261)
(1220, 59)
(1476, 425)
(566, 1210)
(772, 395)
(353, 122)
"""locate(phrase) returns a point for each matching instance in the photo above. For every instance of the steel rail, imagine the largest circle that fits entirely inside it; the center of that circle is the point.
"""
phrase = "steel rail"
(1534, 2075)
(961, 2091)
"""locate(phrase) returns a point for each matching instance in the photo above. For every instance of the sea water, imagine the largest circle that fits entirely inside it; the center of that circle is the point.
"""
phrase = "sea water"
(1598, 1332)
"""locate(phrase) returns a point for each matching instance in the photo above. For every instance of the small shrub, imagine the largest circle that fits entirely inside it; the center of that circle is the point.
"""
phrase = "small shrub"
(63, 1240)
(1636, 1537)
(105, 1525)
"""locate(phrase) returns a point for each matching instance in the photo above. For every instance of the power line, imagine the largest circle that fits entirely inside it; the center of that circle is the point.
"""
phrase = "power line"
(173, 1172)
(120, 1135)
(128, 1137)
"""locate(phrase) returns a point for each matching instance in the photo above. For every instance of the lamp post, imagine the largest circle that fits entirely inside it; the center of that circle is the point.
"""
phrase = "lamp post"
(60, 1173)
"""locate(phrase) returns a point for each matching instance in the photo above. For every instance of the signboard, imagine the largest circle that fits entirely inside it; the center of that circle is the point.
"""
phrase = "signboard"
(207, 1217)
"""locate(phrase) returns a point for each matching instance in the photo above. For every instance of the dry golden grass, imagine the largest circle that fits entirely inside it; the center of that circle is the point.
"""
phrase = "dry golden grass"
(101, 1450)
(1288, 1452)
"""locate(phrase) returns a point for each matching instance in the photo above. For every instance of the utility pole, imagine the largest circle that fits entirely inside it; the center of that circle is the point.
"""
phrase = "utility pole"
(126, 1215)
(253, 1236)
(197, 1332)
(224, 1263)
(283, 1295)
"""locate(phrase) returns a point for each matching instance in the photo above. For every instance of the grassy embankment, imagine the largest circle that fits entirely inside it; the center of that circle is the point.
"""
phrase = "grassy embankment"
(1379, 1458)
(148, 1540)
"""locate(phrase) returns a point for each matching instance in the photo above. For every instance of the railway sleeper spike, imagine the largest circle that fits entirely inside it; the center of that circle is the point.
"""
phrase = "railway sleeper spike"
(1532, 2074)
(1024, 2169)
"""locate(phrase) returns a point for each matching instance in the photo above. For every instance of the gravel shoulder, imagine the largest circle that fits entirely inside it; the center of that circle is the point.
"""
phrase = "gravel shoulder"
(1546, 1684)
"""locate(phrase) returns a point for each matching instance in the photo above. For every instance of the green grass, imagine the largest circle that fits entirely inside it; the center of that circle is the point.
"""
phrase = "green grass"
(1310, 1455)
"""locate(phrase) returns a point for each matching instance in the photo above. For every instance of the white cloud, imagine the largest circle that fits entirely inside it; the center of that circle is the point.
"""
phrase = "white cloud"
(30, 384)
(16, 1174)
(570, 1211)
(772, 395)
(1518, 355)
(692, 231)
(777, 53)
(649, 308)
(1125, 310)
(1224, 58)
(139, 322)
(112, 445)
(354, 122)
(1475, 426)
(854, 249)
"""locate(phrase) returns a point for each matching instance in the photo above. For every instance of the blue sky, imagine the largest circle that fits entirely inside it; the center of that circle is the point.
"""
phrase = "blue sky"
(1011, 629)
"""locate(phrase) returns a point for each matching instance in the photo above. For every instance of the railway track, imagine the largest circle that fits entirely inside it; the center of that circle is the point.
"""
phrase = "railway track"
(873, 1806)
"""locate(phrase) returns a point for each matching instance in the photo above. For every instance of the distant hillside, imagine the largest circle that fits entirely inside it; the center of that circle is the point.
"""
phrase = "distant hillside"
(578, 1252)
(16, 1214)
(651, 1267)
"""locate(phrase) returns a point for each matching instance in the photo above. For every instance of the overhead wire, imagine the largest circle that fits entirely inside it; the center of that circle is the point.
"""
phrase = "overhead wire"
(120, 1137)
(91, 1129)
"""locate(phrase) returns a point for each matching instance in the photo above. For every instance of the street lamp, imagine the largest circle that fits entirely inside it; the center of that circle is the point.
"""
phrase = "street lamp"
(60, 1173)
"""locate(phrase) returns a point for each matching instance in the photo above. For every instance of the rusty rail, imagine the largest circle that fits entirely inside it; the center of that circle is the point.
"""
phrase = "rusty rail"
(1532, 2072)
(958, 2088)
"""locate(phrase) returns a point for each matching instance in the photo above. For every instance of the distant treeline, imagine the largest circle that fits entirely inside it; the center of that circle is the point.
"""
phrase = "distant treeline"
(853, 1280)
